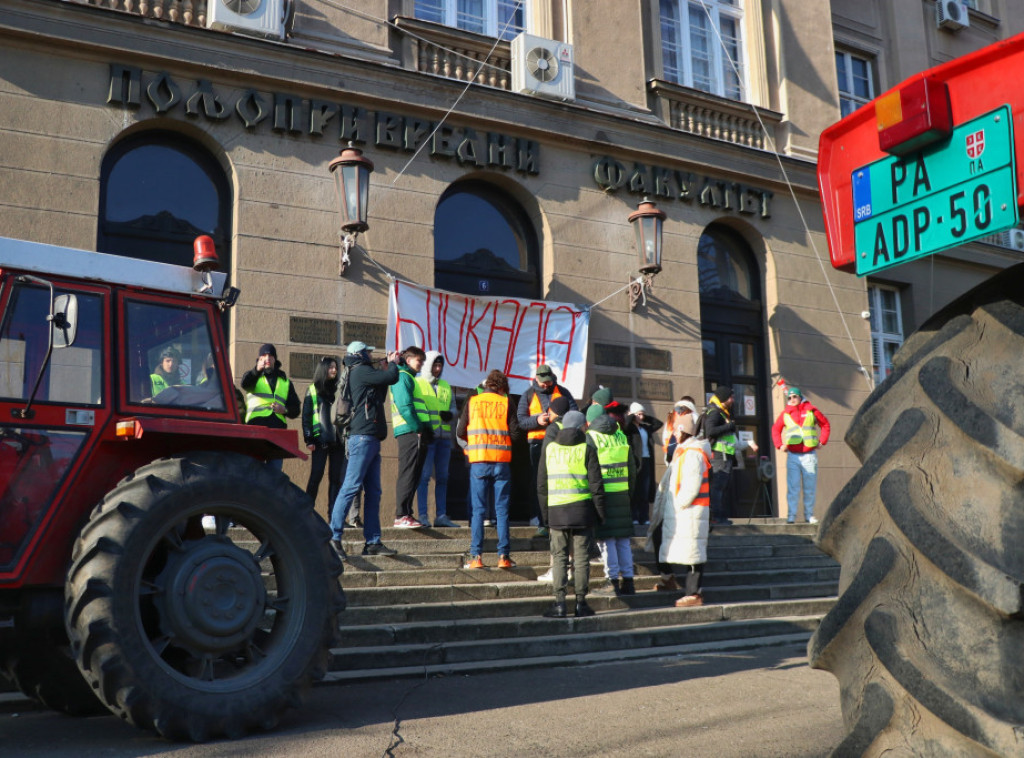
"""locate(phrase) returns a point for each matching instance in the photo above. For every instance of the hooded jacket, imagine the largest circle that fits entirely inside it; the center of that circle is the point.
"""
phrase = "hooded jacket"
(685, 526)
(402, 395)
(366, 385)
(798, 414)
(292, 406)
(618, 517)
(427, 374)
(585, 513)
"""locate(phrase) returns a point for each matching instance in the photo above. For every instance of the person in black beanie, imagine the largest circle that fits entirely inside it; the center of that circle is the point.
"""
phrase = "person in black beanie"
(720, 430)
(270, 399)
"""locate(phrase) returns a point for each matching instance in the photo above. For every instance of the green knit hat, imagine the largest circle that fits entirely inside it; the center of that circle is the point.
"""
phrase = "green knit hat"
(594, 412)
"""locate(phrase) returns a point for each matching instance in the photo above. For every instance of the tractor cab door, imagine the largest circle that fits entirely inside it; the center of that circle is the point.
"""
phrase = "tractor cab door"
(52, 401)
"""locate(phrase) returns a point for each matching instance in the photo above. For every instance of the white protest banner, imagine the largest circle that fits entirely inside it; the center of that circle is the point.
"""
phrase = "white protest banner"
(478, 334)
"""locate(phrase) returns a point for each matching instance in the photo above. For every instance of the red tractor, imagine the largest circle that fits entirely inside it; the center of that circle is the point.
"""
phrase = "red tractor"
(150, 561)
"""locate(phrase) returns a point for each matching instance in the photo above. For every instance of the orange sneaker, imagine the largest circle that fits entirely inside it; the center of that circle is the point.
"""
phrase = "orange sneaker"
(504, 562)
(475, 562)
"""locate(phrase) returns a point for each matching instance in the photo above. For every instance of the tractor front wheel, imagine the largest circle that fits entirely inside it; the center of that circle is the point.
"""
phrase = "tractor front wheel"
(203, 631)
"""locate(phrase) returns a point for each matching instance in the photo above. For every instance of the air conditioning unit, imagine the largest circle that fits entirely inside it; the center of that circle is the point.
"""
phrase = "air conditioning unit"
(259, 18)
(1015, 239)
(542, 67)
(952, 15)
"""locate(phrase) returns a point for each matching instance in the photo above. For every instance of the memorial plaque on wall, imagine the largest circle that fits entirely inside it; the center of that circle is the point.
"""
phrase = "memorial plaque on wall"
(611, 355)
(651, 359)
(302, 365)
(655, 389)
(621, 386)
(315, 331)
(363, 331)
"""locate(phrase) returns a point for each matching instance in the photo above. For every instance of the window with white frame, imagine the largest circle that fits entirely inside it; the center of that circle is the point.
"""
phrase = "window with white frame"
(886, 328)
(495, 18)
(702, 45)
(856, 82)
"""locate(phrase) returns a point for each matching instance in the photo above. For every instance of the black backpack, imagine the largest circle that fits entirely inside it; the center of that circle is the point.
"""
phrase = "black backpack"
(343, 407)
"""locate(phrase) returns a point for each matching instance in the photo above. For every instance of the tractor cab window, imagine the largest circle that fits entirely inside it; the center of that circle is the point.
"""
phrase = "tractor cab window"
(170, 357)
(73, 375)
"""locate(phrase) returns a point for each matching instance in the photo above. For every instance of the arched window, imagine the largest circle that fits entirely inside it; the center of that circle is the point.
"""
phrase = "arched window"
(158, 192)
(725, 267)
(484, 243)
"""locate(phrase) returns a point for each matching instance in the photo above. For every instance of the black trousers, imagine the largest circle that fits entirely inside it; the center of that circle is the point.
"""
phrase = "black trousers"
(412, 452)
(640, 500)
(332, 458)
(535, 446)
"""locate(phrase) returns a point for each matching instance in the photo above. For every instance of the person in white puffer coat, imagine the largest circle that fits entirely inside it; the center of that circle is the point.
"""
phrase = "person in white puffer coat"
(684, 513)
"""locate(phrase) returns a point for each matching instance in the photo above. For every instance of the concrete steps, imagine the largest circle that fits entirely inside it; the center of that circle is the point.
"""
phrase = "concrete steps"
(420, 612)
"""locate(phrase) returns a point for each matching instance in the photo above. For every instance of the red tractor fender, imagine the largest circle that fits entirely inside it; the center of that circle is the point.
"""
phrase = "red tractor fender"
(977, 83)
(266, 443)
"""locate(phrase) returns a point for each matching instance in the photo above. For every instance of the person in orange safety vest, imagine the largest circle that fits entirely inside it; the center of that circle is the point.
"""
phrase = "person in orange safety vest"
(487, 424)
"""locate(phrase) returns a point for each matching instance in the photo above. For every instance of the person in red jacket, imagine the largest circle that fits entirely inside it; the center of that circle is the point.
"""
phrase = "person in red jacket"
(802, 428)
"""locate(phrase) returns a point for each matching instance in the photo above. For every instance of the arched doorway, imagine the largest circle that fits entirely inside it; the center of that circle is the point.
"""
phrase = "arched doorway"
(486, 245)
(732, 341)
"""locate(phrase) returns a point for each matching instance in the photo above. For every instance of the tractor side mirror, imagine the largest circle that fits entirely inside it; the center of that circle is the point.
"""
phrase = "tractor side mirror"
(64, 320)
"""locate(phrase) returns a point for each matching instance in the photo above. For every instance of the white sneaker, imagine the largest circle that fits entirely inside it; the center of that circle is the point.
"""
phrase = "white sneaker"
(547, 577)
(535, 521)
(488, 522)
(812, 520)
(209, 523)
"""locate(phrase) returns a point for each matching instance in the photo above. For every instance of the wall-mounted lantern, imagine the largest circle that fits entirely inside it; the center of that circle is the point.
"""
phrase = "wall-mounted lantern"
(352, 180)
(647, 221)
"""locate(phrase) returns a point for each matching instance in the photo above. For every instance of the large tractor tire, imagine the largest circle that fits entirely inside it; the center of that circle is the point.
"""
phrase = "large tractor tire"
(36, 658)
(927, 636)
(200, 632)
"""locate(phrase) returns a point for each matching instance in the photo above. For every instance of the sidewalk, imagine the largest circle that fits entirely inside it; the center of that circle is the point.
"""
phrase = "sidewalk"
(754, 704)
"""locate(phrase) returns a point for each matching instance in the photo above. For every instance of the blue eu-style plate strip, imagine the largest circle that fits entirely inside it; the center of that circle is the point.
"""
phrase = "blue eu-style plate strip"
(861, 194)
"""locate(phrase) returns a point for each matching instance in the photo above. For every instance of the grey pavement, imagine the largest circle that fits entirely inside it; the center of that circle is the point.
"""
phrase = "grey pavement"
(765, 702)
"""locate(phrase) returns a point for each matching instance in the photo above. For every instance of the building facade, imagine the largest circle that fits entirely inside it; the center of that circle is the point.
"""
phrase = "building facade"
(131, 126)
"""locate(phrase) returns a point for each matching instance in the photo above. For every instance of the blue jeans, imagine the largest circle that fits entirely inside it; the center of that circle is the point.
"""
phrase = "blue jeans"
(489, 483)
(439, 455)
(363, 472)
(801, 474)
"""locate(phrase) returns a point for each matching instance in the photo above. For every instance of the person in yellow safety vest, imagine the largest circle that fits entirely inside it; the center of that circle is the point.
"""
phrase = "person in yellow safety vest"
(270, 399)
(327, 449)
(413, 430)
(802, 428)
(619, 472)
(533, 416)
(571, 492)
(487, 424)
(441, 407)
(720, 430)
(166, 374)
